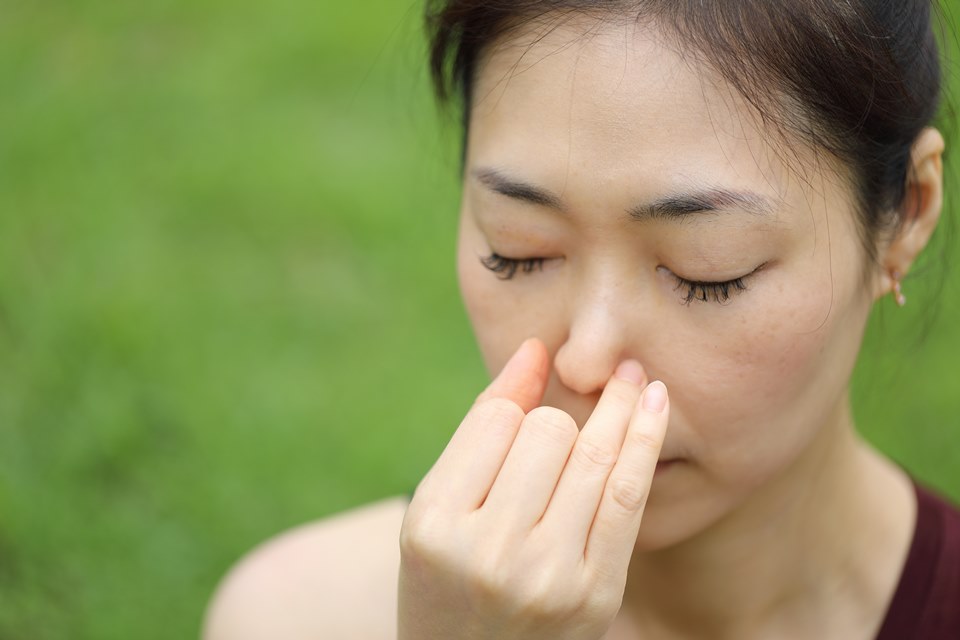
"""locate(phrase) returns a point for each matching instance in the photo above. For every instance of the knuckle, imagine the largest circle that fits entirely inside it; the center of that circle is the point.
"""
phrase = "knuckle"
(591, 456)
(628, 494)
(602, 604)
(549, 606)
(499, 411)
(551, 598)
(422, 532)
(484, 587)
(644, 440)
(622, 392)
(487, 579)
(553, 423)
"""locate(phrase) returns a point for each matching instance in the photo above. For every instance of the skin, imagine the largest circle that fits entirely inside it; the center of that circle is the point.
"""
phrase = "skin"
(769, 459)
(524, 528)
(543, 517)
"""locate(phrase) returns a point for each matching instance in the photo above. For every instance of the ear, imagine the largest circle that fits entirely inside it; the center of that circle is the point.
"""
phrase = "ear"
(920, 211)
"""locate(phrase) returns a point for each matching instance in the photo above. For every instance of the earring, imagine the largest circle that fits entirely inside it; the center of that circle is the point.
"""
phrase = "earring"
(897, 289)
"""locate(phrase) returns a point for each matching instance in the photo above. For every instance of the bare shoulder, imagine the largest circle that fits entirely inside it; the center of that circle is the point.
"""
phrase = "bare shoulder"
(333, 578)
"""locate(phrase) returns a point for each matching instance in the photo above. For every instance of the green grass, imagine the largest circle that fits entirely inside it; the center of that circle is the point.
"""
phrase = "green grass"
(228, 302)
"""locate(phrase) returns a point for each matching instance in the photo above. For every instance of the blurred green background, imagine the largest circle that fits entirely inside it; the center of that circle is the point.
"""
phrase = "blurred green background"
(228, 302)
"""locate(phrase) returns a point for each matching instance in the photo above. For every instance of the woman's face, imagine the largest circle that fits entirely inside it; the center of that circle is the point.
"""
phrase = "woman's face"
(625, 179)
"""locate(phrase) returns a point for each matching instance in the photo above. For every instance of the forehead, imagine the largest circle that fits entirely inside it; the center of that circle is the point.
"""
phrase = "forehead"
(588, 102)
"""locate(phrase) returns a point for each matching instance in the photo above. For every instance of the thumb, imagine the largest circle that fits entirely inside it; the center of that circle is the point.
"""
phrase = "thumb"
(524, 378)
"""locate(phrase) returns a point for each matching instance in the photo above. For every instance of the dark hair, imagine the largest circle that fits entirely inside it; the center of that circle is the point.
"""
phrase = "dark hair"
(857, 78)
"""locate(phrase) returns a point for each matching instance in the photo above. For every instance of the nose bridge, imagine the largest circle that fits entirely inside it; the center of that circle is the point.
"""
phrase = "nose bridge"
(599, 331)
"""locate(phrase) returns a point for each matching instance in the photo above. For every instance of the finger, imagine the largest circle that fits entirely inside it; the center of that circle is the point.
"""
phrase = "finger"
(574, 504)
(463, 474)
(523, 487)
(614, 534)
(465, 471)
(523, 379)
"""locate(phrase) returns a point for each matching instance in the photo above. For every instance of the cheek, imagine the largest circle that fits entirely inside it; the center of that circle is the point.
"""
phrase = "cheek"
(753, 395)
(762, 357)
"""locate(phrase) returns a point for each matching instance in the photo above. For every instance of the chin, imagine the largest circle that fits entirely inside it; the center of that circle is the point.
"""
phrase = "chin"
(672, 520)
(661, 530)
(660, 533)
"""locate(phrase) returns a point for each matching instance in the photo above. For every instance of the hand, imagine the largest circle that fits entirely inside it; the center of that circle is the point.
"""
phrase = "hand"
(524, 527)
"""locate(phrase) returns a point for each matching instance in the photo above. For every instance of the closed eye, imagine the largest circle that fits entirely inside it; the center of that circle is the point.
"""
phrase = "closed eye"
(506, 268)
(719, 292)
(710, 290)
(703, 291)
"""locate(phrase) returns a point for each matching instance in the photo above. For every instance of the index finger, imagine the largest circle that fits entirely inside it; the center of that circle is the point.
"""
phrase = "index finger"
(465, 471)
(523, 379)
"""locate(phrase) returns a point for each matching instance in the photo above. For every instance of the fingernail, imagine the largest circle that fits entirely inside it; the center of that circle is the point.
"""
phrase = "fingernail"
(630, 370)
(655, 397)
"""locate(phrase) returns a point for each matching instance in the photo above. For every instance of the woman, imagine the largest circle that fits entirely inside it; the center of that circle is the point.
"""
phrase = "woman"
(709, 196)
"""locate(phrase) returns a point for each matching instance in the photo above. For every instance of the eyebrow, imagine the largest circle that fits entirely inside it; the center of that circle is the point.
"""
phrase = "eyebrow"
(518, 190)
(676, 206)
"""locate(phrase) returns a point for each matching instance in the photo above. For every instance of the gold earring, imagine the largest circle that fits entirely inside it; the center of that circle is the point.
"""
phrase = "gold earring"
(897, 289)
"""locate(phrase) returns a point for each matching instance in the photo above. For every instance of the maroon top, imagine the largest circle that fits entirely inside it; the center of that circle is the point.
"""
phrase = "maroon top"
(926, 604)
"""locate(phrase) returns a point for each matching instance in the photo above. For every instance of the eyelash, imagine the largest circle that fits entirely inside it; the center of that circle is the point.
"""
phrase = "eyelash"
(701, 291)
(506, 268)
(696, 290)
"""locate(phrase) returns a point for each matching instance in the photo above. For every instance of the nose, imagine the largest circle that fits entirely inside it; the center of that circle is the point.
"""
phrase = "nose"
(597, 341)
